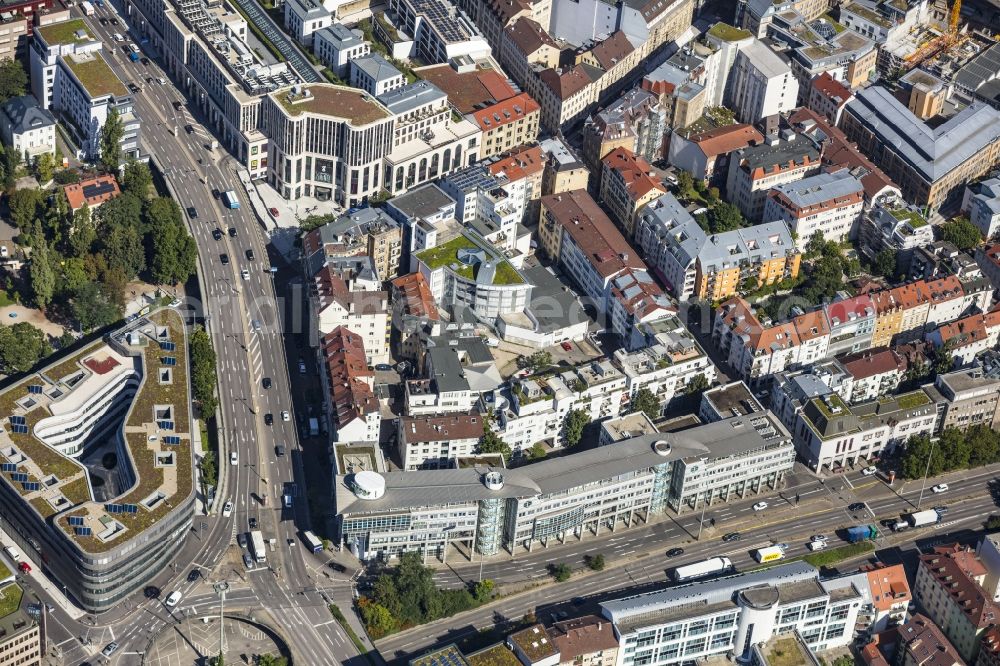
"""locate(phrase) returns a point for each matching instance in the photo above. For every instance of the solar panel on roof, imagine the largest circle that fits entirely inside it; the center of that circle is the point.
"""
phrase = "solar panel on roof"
(83, 531)
(17, 420)
(19, 477)
(35, 388)
(113, 508)
(31, 485)
(165, 425)
(168, 360)
(168, 346)
(8, 467)
(98, 189)
(23, 429)
(130, 508)
(171, 439)
(75, 521)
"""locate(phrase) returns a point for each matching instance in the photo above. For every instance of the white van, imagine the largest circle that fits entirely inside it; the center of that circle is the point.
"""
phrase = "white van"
(12, 553)
(816, 545)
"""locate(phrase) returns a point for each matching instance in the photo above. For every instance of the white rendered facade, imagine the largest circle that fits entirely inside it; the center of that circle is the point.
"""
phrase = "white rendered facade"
(337, 46)
(763, 84)
(303, 18)
(828, 203)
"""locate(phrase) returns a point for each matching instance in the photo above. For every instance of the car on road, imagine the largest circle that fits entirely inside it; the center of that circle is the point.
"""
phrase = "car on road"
(888, 522)
(173, 599)
(118, 37)
(337, 567)
(194, 575)
(216, 193)
(132, 87)
(227, 510)
(145, 60)
(245, 274)
(217, 233)
(110, 649)
(731, 537)
(279, 450)
(868, 471)
(383, 367)
(224, 258)
(24, 567)
(241, 539)
(247, 561)
(782, 546)
(252, 522)
(856, 506)
(273, 211)
(291, 542)
(577, 601)
(268, 418)
(302, 367)
(818, 537)
(285, 416)
(232, 232)
(759, 506)
(940, 488)
(234, 458)
(151, 592)
(255, 325)
(675, 552)
(941, 510)
(250, 255)
(192, 211)
(266, 382)
(567, 346)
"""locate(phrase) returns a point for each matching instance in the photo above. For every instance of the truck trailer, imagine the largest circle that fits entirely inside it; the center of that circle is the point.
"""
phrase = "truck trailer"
(862, 533)
(922, 518)
(709, 567)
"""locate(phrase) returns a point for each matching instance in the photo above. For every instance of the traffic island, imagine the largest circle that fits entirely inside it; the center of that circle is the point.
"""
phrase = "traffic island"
(196, 640)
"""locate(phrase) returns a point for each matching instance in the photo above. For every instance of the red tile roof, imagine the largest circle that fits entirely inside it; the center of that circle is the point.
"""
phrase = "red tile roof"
(467, 89)
(634, 171)
(832, 89)
(508, 111)
(582, 636)
(414, 295)
(350, 392)
(811, 325)
(850, 309)
(956, 568)
(612, 50)
(529, 36)
(520, 163)
(873, 362)
(888, 585)
(567, 84)
(723, 140)
(741, 320)
(91, 191)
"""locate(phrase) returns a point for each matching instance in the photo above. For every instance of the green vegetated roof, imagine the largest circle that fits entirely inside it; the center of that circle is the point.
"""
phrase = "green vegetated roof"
(911, 400)
(728, 33)
(836, 401)
(446, 254)
(96, 76)
(65, 32)
(912, 217)
(4, 571)
(497, 655)
(10, 599)
(869, 15)
(838, 27)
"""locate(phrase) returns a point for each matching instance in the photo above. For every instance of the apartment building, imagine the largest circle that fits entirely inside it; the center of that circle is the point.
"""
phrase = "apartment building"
(564, 171)
(348, 293)
(414, 315)
(583, 495)
(704, 154)
(507, 124)
(873, 374)
(354, 410)
(627, 184)
(852, 323)
(440, 32)
(966, 398)
(967, 337)
(827, 96)
(757, 16)
(828, 203)
(915, 642)
(988, 552)
(753, 350)
(949, 587)
(830, 434)
(636, 122)
(554, 314)
(988, 260)
(762, 84)
(755, 170)
(890, 595)
(982, 202)
(375, 75)
(585, 641)
(20, 632)
(589, 248)
(667, 366)
(304, 18)
(70, 76)
(457, 369)
(28, 128)
(906, 311)
(366, 232)
(337, 45)
(893, 225)
(733, 614)
(434, 442)
(922, 159)
(712, 266)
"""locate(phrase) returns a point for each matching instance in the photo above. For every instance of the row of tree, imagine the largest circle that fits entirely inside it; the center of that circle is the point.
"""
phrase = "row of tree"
(203, 374)
(406, 596)
(953, 450)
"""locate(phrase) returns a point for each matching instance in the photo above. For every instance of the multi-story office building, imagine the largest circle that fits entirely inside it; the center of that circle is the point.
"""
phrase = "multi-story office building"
(20, 632)
(583, 495)
(966, 398)
(348, 293)
(434, 442)
(755, 170)
(27, 127)
(949, 588)
(627, 184)
(762, 84)
(827, 203)
(733, 614)
(920, 158)
(70, 76)
(337, 45)
(304, 18)
(328, 142)
(369, 232)
(354, 410)
(727, 401)
(103, 542)
(440, 32)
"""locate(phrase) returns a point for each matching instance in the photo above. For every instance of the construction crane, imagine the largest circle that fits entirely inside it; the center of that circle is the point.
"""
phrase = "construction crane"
(956, 11)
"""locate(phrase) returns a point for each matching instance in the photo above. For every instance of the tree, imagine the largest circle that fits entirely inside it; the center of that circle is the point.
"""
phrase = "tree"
(993, 522)
(45, 167)
(42, 276)
(685, 183)
(13, 79)
(490, 442)
(174, 253)
(203, 378)
(81, 240)
(209, 470)
(539, 360)
(916, 456)
(885, 263)
(696, 384)
(844, 660)
(724, 217)
(917, 370)
(137, 179)
(576, 421)
(271, 660)
(111, 137)
(961, 233)
(596, 562)
(123, 250)
(21, 347)
(537, 451)
(645, 401)
(11, 161)
(944, 361)
(377, 618)
(93, 307)
(124, 210)
(219, 660)
(24, 205)
(482, 591)
(560, 572)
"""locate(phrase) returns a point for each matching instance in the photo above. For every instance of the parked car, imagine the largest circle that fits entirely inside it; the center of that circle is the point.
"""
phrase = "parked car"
(383, 367)
(567, 346)
(273, 211)
(759, 506)
(868, 471)
(24, 567)
(940, 488)
(247, 561)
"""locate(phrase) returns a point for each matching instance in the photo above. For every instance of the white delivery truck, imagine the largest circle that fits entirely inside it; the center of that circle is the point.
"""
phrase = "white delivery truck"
(709, 567)
(769, 554)
(257, 544)
(88, 9)
(922, 518)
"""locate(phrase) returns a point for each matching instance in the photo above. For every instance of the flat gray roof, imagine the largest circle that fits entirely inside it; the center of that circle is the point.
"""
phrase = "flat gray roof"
(423, 201)
(820, 188)
(411, 97)
(552, 304)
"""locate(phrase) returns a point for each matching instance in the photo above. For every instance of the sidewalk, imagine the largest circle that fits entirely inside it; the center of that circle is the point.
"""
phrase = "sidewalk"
(37, 578)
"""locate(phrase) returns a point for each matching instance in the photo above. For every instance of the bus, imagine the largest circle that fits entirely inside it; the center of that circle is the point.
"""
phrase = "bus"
(314, 544)
(709, 567)
(229, 200)
(257, 546)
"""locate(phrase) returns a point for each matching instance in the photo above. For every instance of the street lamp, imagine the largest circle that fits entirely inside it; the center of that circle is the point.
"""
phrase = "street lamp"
(927, 469)
(221, 588)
